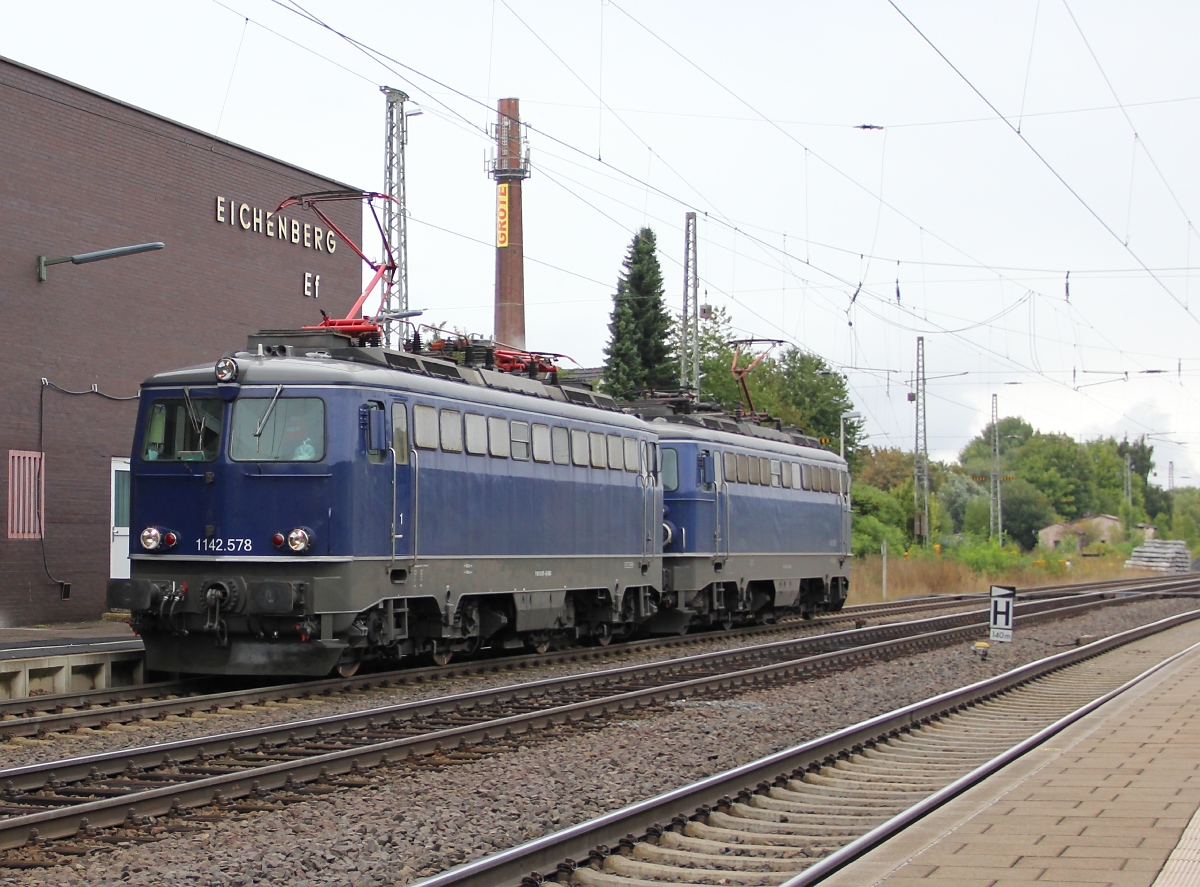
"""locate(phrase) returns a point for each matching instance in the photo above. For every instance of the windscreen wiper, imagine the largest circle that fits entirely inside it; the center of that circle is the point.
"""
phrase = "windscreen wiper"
(263, 421)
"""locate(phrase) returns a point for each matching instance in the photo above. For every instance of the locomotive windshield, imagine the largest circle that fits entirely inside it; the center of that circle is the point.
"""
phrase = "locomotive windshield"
(183, 429)
(278, 429)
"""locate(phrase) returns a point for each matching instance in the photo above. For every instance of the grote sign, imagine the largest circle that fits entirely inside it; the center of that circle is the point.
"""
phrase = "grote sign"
(278, 227)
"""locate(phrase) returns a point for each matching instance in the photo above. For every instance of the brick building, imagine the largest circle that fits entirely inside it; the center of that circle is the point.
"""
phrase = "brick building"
(80, 172)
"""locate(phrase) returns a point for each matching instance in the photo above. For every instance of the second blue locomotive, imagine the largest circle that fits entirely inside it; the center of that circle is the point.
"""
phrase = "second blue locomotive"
(312, 503)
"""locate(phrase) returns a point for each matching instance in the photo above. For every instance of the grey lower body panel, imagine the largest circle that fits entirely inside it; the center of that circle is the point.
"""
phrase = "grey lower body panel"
(694, 573)
(241, 655)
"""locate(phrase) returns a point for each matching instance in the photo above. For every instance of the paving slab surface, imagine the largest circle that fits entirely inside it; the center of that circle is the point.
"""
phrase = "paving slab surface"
(1112, 801)
(53, 640)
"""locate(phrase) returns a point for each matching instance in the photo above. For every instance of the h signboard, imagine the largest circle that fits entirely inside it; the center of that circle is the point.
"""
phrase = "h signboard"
(1004, 601)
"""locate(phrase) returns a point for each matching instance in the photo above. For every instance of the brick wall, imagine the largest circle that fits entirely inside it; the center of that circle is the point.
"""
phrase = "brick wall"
(81, 172)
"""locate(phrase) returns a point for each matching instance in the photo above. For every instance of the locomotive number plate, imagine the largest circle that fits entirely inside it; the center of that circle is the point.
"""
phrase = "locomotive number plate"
(223, 545)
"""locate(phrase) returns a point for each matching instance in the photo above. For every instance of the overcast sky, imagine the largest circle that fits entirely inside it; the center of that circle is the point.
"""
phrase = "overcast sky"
(1010, 143)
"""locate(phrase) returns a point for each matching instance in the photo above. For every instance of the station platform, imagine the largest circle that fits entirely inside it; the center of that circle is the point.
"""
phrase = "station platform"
(68, 657)
(1111, 801)
(25, 641)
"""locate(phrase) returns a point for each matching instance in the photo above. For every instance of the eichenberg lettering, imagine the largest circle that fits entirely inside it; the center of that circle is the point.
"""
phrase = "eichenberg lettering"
(253, 218)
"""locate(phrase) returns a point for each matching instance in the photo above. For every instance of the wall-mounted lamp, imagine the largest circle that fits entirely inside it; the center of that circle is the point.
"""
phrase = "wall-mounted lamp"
(98, 256)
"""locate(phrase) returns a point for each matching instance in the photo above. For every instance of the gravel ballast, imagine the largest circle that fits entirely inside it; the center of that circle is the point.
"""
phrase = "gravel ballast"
(414, 820)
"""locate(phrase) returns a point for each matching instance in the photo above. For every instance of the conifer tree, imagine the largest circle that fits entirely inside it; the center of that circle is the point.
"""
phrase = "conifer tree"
(639, 353)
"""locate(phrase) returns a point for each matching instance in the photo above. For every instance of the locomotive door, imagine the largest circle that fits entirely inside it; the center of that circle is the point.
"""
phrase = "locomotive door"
(722, 465)
(404, 486)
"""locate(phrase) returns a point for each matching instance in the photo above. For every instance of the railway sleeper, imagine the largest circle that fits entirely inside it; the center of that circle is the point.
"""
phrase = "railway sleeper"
(655, 873)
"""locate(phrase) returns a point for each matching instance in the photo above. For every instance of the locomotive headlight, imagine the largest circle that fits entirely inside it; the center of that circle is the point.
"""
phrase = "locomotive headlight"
(226, 369)
(151, 539)
(299, 540)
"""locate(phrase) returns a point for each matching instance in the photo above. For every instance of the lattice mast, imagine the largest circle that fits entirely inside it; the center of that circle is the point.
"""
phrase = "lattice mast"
(395, 211)
(689, 350)
(996, 519)
(921, 456)
(509, 167)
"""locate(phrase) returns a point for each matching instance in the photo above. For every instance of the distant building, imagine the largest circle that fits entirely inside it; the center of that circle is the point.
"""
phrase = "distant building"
(82, 172)
(1078, 534)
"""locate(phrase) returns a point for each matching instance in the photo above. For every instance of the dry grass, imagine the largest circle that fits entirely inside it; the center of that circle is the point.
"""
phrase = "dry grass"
(938, 575)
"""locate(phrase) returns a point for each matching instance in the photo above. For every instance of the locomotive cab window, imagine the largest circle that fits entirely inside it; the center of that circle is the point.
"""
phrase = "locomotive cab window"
(278, 429)
(183, 429)
(376, 431)
(400, 433)
(670, 469)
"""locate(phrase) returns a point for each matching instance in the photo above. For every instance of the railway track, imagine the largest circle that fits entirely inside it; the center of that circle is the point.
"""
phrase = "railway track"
(271, 766)
(96, 709)
(799, 815)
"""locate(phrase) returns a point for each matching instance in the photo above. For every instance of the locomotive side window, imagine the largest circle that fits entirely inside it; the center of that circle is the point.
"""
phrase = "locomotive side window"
(824, 479)
(796, 482)
(599, 448)
(498, 437)
(451, 426)
(183, 430)
(520, 440)
(275, 429)
(785, 475)
(579, 447)
(743, 468)
(375, 416)
(400, 433)
(776, 477)
(541, 443)
(560, 445)
(806, 477)
(670, 469)
(631, 454)
(755, 468)
(730, 466)
(616, 456)
(764, 465)
(425, 427)
(476, 434)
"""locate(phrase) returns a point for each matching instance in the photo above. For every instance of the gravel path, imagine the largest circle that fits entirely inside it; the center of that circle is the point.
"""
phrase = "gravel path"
(414, 820)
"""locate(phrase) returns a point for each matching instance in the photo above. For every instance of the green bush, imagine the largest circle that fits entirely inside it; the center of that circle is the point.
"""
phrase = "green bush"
(985, 556)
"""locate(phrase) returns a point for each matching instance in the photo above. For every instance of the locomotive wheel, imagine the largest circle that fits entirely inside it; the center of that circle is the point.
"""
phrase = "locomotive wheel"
(441, 655)
(727, 621)
(349, 669)
(539, 643)
(604, 637)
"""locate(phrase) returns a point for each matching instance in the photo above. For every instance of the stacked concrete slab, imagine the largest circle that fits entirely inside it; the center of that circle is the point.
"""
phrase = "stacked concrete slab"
(1163, 555)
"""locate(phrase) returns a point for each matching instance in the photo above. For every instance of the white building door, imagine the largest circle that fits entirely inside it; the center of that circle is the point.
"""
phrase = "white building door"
(119, 520)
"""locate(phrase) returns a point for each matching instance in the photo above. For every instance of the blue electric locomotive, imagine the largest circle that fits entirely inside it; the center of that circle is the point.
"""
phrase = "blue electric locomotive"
(314, 502)
(308, 504)
(756, 521)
